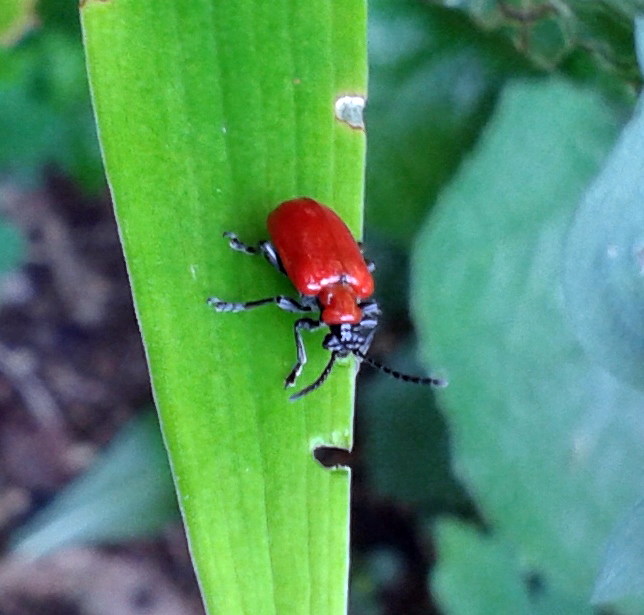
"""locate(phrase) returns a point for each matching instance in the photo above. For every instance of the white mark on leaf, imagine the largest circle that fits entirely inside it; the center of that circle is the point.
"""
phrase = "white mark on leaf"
(350, 109)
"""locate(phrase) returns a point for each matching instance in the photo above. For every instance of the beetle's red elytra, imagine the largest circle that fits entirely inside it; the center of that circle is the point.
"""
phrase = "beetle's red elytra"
(313, 247)
(321, 258)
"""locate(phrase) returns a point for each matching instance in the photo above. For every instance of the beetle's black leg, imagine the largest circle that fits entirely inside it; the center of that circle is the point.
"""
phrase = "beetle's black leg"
(263, 247)
(306, 324)
(365, 331)
(369, 322)
(235, 243)
(281, 301)
(370, 309)
(271, 255)
(320, 380)
(366, 344)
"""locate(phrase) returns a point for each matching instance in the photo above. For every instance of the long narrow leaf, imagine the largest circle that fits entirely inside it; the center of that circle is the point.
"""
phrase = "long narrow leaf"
(210, 113)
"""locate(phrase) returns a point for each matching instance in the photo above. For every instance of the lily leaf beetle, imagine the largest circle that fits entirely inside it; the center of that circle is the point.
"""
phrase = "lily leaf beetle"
(313, 247)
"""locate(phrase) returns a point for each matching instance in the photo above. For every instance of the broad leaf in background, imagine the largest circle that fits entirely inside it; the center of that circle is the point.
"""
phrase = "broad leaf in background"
(211, 113)
(604, 285)
(126, 494)
(481, 574)
(476, 574)
(609, 320)
(432, 83)
(622, 569)
(547, 443)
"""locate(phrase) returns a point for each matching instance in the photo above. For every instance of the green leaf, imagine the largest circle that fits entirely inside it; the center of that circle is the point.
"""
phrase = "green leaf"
(480, 574)
(548, 443)
(127, 493)
(605, 260)
(210, 114)
(476, 574)
(16, 16)
(45, 113)
(433, 80)
(622, 569)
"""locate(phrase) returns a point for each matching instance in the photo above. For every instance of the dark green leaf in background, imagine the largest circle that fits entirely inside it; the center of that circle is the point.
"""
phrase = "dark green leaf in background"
(405, 442)
(433, 81)
(45, 114)
(582, 37)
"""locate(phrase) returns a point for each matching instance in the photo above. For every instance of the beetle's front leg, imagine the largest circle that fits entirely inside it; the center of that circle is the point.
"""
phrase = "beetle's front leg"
(368, 324)
(370, 311)
(263, 247)
(307, 324)
(319, 381)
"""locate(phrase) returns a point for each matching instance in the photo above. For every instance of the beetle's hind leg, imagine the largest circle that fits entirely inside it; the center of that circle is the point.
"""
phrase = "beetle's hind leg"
(263, 247)
(281, 301)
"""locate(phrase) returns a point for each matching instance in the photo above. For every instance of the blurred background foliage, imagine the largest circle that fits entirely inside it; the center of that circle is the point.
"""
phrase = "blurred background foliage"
(45, 112)
(502, 165)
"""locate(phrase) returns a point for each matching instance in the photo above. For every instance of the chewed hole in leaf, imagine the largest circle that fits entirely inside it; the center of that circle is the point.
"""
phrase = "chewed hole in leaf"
(333, 457)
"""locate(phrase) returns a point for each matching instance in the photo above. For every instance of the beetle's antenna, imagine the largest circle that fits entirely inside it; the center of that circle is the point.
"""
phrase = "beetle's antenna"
(435, 382)
(321, 378)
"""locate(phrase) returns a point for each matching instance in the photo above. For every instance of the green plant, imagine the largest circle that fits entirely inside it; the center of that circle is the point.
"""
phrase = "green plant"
(210, 113)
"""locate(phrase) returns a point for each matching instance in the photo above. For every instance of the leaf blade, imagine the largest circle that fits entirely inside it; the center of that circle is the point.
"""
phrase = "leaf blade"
(219, 142)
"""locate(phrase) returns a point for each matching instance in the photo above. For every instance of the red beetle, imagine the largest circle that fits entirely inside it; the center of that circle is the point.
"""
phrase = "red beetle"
(315, 249)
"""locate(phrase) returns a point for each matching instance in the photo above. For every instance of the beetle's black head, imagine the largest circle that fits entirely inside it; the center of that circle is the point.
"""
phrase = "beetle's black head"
(349, 338)
(346, 339)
